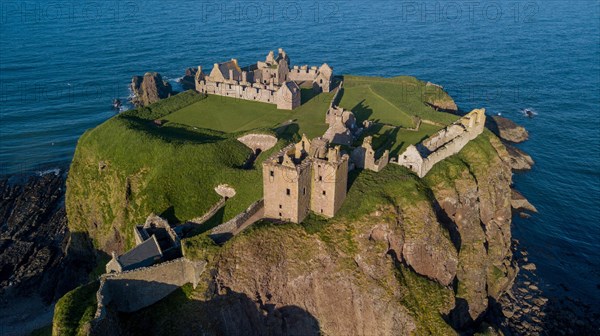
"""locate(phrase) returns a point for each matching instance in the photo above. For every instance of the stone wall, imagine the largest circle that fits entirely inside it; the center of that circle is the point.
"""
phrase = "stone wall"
(303, 73)
(223, 232)
(286, 190)
(364, 157)
(211, 212)
(444, 143)
(271, 94)
(329, 183)
(133, 290)
(336, 97)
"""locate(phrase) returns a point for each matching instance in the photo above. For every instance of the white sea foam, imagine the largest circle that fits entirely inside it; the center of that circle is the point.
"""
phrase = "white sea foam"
(55, 171)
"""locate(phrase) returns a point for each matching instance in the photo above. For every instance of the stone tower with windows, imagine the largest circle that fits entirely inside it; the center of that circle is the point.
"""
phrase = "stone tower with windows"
(302, 177)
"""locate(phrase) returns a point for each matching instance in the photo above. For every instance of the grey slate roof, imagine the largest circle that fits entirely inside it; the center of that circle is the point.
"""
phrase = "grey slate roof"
(143, 255)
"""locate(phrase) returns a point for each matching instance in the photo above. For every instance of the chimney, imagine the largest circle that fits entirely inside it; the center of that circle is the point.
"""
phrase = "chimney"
(244, 77)
(230, 74)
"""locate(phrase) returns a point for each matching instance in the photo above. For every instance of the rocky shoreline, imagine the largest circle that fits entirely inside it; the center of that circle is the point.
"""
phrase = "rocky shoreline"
(526, 310)
(40, 260)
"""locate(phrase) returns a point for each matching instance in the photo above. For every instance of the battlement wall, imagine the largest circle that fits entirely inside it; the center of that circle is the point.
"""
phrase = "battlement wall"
(303, 73)
(255, 92)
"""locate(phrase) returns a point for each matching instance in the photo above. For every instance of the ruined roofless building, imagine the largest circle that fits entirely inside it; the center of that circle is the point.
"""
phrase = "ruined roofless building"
(444, 143)
(271, 81)
(303, 177)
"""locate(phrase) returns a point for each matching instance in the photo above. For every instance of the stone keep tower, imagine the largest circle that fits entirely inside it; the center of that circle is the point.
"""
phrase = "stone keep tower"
(286, 185)
(329, 178)
(302, 177)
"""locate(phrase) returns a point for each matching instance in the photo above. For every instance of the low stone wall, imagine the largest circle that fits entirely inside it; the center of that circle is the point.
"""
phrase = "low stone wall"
(133, 290)
(226, 230)
(211, 212)
(336, 96)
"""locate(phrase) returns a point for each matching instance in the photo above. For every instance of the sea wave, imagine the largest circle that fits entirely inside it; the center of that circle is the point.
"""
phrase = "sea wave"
(55, 171)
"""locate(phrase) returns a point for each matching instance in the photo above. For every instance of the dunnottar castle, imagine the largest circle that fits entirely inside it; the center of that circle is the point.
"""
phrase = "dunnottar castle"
(308, 176)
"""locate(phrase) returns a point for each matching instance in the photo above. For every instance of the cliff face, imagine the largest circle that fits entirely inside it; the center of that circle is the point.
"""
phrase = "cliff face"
(427, 257)
(475, 199)
(405, 255)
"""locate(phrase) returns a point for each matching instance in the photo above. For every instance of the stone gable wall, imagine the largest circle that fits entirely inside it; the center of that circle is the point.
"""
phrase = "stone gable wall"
(133, 290)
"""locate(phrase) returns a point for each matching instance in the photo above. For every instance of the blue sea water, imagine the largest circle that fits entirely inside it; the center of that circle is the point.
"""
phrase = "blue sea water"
(62, 62)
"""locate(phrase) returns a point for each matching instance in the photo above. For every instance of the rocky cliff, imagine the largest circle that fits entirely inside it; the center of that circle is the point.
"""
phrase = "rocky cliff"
(407, 256)
(149, 89)
(40, 260)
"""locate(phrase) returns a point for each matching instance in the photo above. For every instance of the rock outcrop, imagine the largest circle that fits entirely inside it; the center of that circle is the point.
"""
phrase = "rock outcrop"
(149, 89)
(441, 101)
(40, 260)
(519, 160)
(519, 203)
(188, 81)
(507, 129)
(36, 249)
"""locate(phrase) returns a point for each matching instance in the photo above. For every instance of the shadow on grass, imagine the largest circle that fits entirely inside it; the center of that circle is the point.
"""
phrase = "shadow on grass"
(362, 112)
(169, 215)
(352, 176)
(228, 313)
(307, 95)
(171, 133)
(288, 131)
(193, 229)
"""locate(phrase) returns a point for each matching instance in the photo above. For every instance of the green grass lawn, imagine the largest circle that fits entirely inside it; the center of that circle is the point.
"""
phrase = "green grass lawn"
(394, 101)
(231, 115)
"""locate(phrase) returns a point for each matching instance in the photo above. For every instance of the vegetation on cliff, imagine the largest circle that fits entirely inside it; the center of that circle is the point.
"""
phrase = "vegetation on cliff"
(75, 310)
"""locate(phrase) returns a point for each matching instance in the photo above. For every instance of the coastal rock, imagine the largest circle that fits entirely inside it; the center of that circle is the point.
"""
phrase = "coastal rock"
(441, 102)
(149, 89)
(519, 203)
(40, 260)
(37, 252)
(507, 129)
(519, 160)
(188, 81)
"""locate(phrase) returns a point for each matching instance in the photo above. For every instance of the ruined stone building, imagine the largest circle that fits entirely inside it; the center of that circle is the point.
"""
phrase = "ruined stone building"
(446, 142)
(155, 241)
(342, 126)
(303, 177)
(365, 157)
(271, 81)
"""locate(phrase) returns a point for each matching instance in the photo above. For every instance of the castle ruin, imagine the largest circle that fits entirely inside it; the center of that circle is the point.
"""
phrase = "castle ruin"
(303, 177)
(155, 242)
(364, 157)
(446, 142)
(271, 81)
